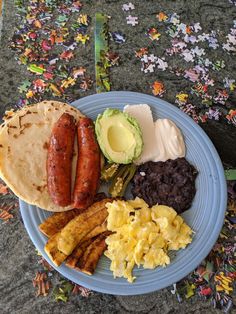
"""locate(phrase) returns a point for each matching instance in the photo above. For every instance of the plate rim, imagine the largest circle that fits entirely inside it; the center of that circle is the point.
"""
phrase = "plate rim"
(222, 205)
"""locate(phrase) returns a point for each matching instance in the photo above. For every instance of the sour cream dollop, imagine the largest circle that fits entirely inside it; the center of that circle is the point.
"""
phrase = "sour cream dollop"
(169, 141)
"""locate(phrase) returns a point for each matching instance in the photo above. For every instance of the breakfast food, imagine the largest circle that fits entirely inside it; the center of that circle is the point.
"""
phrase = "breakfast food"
(162, 139)
(142, 113)
(88, 261)
(119, 136)
(169, 141)
(59, 160)
(50, 157)
(57, 221)
(77, 229)
(81, 230)
(170, 183)
(121, 180)
(65, 240)
(24, 140)
(88, 165)
(142, 236)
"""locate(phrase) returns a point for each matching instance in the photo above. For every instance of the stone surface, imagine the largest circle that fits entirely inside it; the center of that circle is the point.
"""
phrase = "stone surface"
(18, 257)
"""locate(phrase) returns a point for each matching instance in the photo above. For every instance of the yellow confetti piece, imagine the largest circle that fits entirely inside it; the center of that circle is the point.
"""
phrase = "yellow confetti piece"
(29, 94)
(226, 287)
(55, 90)
(83, 19)
(182, 97)
(219, 288)
(69, 82)
(82, 38)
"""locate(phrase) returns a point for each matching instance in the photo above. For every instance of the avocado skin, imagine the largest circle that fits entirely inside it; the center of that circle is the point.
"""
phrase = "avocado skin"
(110, 117)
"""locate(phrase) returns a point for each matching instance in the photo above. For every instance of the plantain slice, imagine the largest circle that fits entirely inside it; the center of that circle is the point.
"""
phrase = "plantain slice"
(73, 259)
(88, 262)
(76, 229)
(96, 231)
(90, 223)
(57, 221)
(52, 251)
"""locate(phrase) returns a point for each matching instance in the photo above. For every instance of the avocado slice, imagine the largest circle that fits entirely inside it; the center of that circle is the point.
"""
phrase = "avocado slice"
(119, 136)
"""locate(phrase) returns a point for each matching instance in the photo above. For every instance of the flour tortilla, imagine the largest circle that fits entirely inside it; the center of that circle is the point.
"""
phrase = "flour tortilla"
(24, 138)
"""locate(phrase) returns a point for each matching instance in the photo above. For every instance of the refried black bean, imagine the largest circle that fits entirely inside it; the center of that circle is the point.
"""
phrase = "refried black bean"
(170, 183)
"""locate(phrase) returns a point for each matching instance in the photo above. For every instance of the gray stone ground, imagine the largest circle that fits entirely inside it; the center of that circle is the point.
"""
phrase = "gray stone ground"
(18, 263)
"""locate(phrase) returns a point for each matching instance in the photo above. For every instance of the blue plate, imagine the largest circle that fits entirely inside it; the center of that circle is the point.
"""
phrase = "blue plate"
(205, 217)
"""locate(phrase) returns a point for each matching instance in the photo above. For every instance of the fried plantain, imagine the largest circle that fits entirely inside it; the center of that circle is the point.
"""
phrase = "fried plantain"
(57, 221)
(84, 226)
(52, 251)
(73, 259)
(78, 228)
(88, 262)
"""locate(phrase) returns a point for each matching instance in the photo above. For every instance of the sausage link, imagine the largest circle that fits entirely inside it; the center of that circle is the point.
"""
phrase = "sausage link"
(88, 165)
(59, 160)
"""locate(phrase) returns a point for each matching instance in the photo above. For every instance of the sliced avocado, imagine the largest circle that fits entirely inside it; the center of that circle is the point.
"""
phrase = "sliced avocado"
(119, 136)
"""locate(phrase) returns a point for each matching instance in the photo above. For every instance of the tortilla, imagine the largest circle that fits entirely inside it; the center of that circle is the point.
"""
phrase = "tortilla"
(24, 138)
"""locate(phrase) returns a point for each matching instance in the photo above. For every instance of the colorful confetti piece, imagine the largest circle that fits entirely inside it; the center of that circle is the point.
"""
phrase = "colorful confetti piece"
(50, 33)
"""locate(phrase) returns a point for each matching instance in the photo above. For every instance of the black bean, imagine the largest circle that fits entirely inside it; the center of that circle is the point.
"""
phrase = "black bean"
(170, 183)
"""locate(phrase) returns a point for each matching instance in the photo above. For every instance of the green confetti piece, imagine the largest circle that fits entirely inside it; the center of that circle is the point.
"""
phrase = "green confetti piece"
(101, 48)
(35, 69)
(190, 290)
(230, 174)
(63, 291)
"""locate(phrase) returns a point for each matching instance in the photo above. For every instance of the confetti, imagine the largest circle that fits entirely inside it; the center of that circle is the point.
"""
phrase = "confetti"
(40, 281)
(215, 277)
(63, 291)
(230, 45)
(231, 117)
(153, 34)
(117, 37)
(229, 83)
(192, 75)
(127, 7)
(3, 189)
(213, 113)
(161, 17)
(182, 98)
(161, 64)
(220, 96)
(158, 89)
(141, 52)
(84, 292)
(45, 264)
(132, 20)
(48, 35)
(5, 215)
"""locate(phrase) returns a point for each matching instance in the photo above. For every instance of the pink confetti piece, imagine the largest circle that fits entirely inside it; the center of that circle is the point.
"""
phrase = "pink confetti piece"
(230, 44)
(214, 114)
(161, 64)
(127, 7)
(188, 55)
(196, 51)
(132, 20)
(191, 75)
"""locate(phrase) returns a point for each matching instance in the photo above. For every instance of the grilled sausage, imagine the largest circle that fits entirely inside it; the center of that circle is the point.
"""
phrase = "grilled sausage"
(88, 165)
(59, 160)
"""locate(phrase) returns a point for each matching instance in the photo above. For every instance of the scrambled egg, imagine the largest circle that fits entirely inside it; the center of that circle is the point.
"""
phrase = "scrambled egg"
(142, 235)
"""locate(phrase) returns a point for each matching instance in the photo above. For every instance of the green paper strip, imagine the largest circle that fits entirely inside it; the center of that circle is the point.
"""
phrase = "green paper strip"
(101, 48)
(230, 174)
